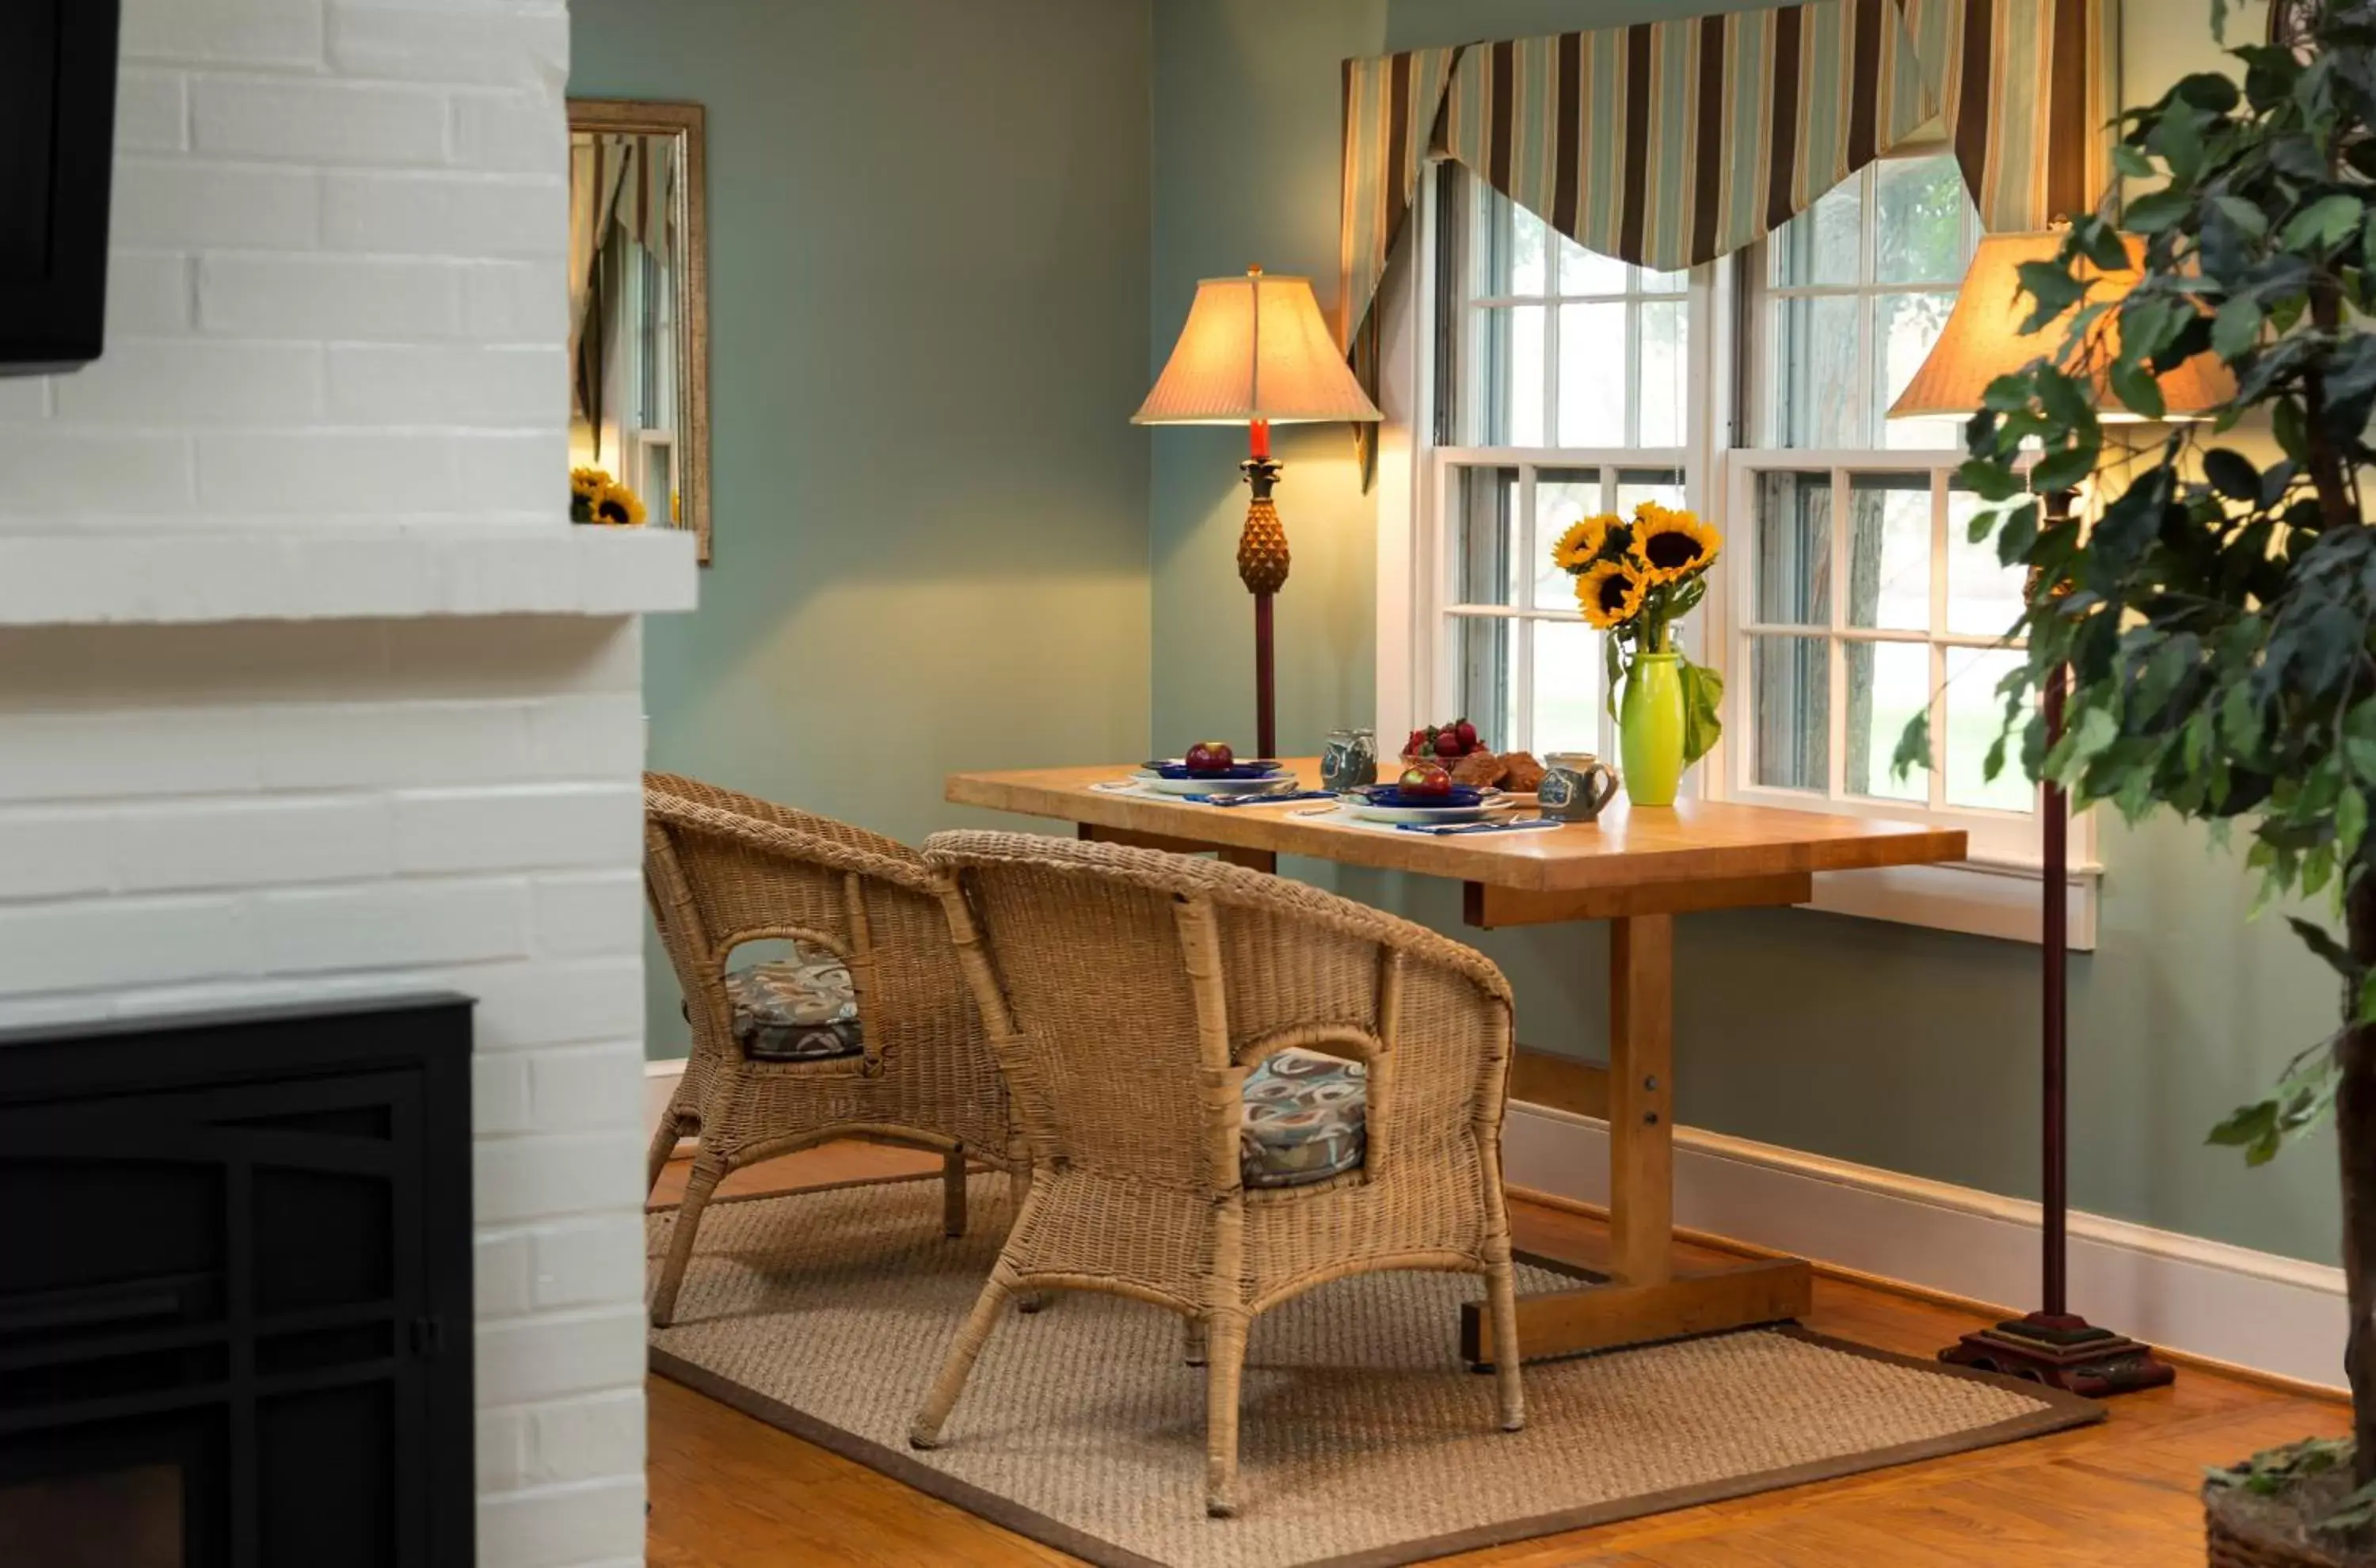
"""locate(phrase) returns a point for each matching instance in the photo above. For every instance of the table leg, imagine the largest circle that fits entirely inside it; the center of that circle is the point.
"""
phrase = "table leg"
(1645, 1299)
(1641, 1096)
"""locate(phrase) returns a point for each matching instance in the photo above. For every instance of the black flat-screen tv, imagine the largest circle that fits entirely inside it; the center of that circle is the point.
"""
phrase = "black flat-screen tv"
(58, 145)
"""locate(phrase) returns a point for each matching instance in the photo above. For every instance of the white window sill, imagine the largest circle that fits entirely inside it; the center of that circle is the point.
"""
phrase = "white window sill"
(1993, 897)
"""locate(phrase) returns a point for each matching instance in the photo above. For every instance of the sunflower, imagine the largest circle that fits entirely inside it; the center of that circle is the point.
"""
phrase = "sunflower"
(1611, 592)
(586, 484)
(1670, 544)
(619, 507)
(1581, 541)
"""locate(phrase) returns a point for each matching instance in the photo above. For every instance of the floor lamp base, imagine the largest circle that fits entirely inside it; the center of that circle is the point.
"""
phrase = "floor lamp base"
(2063, 1351)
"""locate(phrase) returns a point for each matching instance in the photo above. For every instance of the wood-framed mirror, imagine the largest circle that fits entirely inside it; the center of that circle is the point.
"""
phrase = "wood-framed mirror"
(639, 315)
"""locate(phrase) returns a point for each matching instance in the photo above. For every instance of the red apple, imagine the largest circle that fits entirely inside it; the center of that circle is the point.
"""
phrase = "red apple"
(1467, 733)
(1447, 744)
(1425, 780)
(1210, 756)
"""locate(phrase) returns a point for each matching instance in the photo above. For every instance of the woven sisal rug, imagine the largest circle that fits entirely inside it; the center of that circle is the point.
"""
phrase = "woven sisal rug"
(1365, 1442)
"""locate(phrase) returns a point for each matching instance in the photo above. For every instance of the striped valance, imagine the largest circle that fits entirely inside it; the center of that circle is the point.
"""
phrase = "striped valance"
(1673, 143)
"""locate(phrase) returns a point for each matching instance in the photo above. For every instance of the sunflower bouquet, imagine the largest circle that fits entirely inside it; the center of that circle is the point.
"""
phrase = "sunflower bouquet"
(1635, 578)
(596, 497)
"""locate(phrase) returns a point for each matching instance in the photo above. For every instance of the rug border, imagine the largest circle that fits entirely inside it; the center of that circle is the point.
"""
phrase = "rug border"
(2056, 1411)
(1028, 1523)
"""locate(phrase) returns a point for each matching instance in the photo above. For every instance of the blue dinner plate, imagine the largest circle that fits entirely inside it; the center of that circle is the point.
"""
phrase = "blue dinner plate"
(1173, 767)
(1462, 796)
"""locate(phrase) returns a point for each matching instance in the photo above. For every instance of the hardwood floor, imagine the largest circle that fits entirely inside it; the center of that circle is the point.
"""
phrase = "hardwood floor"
(731, 1493)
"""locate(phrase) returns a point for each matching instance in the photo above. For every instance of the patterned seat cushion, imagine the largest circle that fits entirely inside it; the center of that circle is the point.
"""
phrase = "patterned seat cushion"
(801, 1010)
(1306, 1120)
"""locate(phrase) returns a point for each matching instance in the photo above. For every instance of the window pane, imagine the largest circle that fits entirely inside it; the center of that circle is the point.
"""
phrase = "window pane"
(1651, 282)
(1665, 339)
(1919, 204)
(1888, 684)
(1794, 549)
(1815, 380)
(1561, 496)
(1984, 599)
(1587, 272)
(1820, 245)
(1889, 551)
(1484, 535)
(1905, 327)
(1793, 690)
(1483, 674)
(1592, 375)
(1975, 715)
(1567, 687)
(1506, 377)
(1509, 246)
(1636, 485)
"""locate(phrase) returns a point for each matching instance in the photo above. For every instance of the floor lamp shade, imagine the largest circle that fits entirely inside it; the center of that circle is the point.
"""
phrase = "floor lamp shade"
(1983, 339)
(1256, 349)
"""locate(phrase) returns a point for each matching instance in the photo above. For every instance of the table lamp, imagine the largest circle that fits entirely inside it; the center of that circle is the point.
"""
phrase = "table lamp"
(1256, 351)
(1981, 341)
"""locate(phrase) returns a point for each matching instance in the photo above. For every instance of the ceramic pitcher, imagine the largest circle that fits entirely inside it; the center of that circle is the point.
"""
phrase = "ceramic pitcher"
(1575, 787)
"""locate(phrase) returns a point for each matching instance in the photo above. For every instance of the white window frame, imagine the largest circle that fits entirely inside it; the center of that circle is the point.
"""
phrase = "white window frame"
(1994, 893)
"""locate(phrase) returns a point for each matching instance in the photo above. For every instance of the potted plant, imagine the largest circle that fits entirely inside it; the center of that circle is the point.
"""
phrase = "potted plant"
(2218, 617)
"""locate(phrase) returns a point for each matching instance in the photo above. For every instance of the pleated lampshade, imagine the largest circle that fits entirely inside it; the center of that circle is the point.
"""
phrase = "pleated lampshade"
(1983, 339)
(1254, 348)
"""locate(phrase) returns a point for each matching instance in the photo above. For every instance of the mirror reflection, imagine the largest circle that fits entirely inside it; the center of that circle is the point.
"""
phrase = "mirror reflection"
(638, 351)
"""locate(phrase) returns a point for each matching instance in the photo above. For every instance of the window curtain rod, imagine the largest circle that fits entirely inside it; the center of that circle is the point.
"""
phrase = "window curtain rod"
(1669, 144)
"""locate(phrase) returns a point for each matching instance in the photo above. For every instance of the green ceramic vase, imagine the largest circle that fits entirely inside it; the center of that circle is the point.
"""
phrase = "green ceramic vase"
(1650, 729)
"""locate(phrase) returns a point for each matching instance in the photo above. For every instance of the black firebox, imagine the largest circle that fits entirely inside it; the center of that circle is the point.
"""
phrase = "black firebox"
(235, 1290)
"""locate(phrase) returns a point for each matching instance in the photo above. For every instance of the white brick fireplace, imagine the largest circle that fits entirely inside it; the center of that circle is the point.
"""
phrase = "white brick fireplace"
(307, 688)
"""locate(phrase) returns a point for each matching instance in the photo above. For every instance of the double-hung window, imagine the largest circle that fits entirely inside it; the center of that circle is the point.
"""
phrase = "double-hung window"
(1551, 383)
(1562, 389)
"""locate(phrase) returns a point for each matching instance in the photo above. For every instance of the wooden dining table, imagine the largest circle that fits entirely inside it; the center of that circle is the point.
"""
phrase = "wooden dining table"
(1637, 868)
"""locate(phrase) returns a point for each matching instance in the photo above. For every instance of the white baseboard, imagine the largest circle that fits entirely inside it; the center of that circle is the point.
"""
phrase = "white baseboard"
(660, 1086)
(2225, 1304)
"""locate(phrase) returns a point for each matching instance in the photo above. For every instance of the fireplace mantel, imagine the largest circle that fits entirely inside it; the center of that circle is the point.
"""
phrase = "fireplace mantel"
(98, 578)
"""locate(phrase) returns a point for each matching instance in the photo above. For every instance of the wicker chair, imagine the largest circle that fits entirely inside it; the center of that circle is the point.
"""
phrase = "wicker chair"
(722, 870)
(1129, 994)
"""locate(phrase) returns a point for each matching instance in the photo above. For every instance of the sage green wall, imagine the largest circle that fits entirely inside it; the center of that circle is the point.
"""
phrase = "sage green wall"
(1892, 1046)
(929, 260)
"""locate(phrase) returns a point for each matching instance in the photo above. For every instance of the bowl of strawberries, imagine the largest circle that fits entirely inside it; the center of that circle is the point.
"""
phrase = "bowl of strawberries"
(1458, 750)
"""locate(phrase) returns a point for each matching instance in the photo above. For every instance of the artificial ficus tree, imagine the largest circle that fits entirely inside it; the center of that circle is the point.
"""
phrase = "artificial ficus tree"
(2215, 616)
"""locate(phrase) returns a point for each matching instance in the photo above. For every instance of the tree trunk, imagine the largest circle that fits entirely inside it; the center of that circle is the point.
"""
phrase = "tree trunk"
(2354, 1125)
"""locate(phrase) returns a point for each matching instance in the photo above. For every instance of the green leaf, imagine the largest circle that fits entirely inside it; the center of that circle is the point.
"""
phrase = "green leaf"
(2052, 287)
(1703, 701)
(2245, 216)
(1989, 481)
(2066, 469)
(1913, 747)
(2131, 161)
(2321, 940)
(2323, 223)
(2237, 327)
(2286, 422)
(2364, 1011)
(2350, 824)
(2134, 385)
(2231, 473)
(2157, 211)
(2007, 392)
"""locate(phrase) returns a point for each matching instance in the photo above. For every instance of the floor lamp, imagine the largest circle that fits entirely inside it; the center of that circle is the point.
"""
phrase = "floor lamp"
(1981, 341)
(1254, 352)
